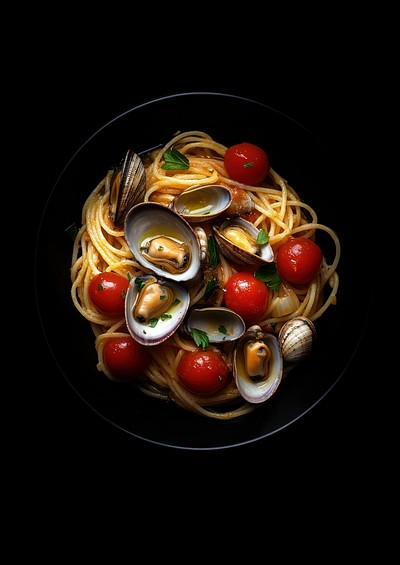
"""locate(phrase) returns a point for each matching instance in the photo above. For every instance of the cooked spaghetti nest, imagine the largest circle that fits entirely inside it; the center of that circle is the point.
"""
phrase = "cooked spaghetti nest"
(101, 246)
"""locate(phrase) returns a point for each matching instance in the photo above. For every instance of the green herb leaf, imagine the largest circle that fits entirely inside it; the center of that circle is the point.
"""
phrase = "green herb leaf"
(200, 338)
(222, 330)
(140, 282)
(153, 322)
(99, 286)
(123, 295)
(128, 276)
(175, 302)
(212, 251)
(262, 237)
(165, 317)
(269, 275)
(249, 164)
(210, 287)
(174, 160)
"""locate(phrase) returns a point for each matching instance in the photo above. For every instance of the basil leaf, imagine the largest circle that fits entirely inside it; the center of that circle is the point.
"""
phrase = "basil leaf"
(269, 275)
(174, 160)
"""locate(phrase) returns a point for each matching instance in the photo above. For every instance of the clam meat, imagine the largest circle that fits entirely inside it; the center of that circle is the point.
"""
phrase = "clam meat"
(238, 241)
(257, 365)
(163, 242)
(154, 308)
(128, 186)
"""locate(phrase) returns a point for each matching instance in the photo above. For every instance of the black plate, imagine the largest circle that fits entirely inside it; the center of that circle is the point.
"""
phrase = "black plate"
(299, 157)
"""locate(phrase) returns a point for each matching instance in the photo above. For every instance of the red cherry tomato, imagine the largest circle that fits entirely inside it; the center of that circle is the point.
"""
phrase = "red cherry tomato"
(125, 358)
(246, 163)
(203, 372)
(298, 260)
(107, 291)
(246, 295)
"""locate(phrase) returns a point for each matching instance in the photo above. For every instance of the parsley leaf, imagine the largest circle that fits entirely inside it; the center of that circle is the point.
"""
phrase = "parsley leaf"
(212, 251)
(262, 237)
(269, 275)
(210, 287)
(200, 338)
(174, 160)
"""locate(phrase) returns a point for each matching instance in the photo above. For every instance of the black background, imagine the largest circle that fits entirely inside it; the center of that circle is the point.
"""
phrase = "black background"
(76, 91)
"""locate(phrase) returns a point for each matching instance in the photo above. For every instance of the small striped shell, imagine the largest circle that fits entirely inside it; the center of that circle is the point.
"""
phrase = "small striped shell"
(296, 338)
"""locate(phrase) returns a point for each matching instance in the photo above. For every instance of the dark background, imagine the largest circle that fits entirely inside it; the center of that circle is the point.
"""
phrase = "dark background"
(74, 93)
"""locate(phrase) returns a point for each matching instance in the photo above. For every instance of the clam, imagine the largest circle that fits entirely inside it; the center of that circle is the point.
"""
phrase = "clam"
(237, 240)
(154, 308)
(219, 323)
(128, 185)
(296, 338)
(257, 365)
(163, 242)
(202, 202)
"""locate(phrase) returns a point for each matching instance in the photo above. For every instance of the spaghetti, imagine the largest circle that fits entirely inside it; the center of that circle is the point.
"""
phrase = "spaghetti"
(101, 246)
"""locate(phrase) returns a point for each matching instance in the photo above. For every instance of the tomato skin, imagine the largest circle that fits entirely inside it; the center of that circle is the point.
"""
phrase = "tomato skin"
(107, 291)
(246, 295)
(126, 358)
(299, 260)
(246, 163)
(203, 372)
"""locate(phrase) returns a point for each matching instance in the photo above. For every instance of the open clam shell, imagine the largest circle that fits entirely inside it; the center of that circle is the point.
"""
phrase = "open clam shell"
(202, 202)
(163, 242)
(219, 323)
(159, 323)
(251, 357)
(237, 240)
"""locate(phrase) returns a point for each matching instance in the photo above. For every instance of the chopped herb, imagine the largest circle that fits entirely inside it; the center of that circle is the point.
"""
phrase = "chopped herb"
(128, 276)
(162, 296)
(262, 237)
(140, 282)
(174, 160)
(212, 251)
(249, 164)
(222, 329)
(210, 287)
(153, 322)
(175, 302)
(123, 295)
(100, 287)
(200, 338)
(160, 248)
(144, 331)
(165, 317)
(72, 231)
(269, 275)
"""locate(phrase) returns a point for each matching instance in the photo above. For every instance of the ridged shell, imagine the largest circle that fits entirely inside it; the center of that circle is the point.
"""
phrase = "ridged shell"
(150, 219)
(296, 338)
(150, 333)
(257, 391)
(202, 202)
(128, 186)
(236, 253)
(220, 324)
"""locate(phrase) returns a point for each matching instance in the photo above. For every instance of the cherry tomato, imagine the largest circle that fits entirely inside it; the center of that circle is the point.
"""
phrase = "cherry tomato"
(246, 295)
(203, 372)
(298, 260)
(107, 291)
(246, 163)
(125, 358)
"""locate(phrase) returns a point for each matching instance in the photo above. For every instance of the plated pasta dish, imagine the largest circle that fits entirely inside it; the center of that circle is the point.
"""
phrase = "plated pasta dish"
(202, 274)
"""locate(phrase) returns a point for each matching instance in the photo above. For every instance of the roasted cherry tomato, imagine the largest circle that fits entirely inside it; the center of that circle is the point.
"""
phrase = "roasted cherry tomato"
(203, 372)
(125, 358)
(298, 260)
(246, 163)
(246, 295)
(107, 291)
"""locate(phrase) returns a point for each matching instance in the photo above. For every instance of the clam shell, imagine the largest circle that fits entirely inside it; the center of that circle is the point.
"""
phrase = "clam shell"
(257, 391)
(150, 219)
(296, 338)
(128, 187)
(202, 202)
(235, 253)
(220, 324)
(150, 333)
